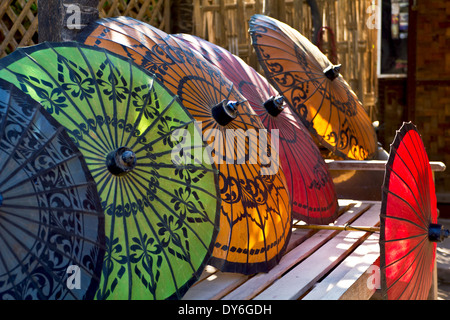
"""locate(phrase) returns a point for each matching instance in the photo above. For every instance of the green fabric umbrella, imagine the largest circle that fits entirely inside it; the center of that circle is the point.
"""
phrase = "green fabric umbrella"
(161, 213)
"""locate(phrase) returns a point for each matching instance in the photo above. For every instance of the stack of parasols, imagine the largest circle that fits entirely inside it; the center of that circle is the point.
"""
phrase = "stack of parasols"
(132, 158)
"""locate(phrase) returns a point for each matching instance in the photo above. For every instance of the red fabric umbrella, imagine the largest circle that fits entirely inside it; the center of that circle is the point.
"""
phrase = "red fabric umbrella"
(309, 182)
(409, 229)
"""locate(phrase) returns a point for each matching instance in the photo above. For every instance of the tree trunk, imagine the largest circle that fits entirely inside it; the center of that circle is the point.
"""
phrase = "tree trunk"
(62, 20)
(182, 12)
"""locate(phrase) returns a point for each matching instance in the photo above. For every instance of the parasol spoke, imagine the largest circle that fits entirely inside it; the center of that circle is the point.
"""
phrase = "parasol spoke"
(29, 275)
(408, 218)
(71, 72)
(419, 247)
(202, 88)
(420, 206)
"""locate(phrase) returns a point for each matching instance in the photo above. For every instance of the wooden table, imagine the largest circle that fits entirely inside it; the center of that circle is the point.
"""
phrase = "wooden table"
(318, 264)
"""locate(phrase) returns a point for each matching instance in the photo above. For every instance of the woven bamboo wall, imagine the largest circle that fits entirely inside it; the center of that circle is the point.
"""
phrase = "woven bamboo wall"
(225, 22)
(19, 21)
(154, 12)
(347, 19)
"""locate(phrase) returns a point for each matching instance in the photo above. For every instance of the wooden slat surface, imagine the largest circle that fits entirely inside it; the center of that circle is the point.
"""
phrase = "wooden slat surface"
(372, 165)
(336, 285)
(310, 256)
(301, 278)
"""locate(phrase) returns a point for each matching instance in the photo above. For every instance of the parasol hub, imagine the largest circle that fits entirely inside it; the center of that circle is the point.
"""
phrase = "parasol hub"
(332, 71)
(121, 161)
(436, 232)
(225, 111)
(274, 105)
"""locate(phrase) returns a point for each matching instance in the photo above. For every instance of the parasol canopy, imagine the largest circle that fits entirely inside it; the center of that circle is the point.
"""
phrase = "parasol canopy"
(52, 239)
(309, 183)
(409, 229)
(255, 215)
(314, 89)
(161, 213)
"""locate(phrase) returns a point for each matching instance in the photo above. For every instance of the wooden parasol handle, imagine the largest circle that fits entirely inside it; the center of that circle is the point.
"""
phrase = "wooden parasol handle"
(339, 228)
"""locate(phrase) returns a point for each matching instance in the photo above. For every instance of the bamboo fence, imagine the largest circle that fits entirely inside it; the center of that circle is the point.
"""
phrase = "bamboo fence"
(19, 19)
(225, 22)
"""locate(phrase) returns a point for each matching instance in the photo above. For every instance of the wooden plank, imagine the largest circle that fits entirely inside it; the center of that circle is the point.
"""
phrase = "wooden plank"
(259, 282)
(215, 286)
(197, 19)
(209, 289)
(433, 294)
(371, 165)
(359, 290)
(344, 281)
(303, 276)
(298, 236)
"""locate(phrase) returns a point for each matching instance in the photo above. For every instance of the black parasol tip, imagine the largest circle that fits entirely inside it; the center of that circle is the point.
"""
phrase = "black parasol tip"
(274, 105)
(225, 111)
(332, 71)
(436, 232)
(121, 161)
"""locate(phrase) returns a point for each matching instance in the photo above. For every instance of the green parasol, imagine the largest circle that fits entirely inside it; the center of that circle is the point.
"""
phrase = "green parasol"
(161, 202)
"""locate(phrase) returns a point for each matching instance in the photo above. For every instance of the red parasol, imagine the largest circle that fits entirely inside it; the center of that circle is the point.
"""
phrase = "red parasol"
(313, 87)
(310, 185)
(409, 229)
(256, 211)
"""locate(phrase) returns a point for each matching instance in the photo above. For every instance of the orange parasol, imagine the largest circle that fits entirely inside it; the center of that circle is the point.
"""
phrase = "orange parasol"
(314, 89)
(310, 185)
(256, 210)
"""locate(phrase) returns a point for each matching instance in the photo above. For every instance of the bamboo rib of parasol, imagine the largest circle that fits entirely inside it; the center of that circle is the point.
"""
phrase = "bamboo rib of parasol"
(338, 227)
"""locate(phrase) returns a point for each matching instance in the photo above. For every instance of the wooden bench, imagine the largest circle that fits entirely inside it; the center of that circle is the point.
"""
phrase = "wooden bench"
(318, 264)
(304, 271)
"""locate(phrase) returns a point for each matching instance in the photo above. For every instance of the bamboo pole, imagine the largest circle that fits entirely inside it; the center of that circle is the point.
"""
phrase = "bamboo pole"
(339, 228)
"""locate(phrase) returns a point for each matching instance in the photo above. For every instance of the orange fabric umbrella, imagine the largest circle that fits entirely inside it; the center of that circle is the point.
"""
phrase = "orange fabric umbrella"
(314, 89)
(310, 184)
(256, 210)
